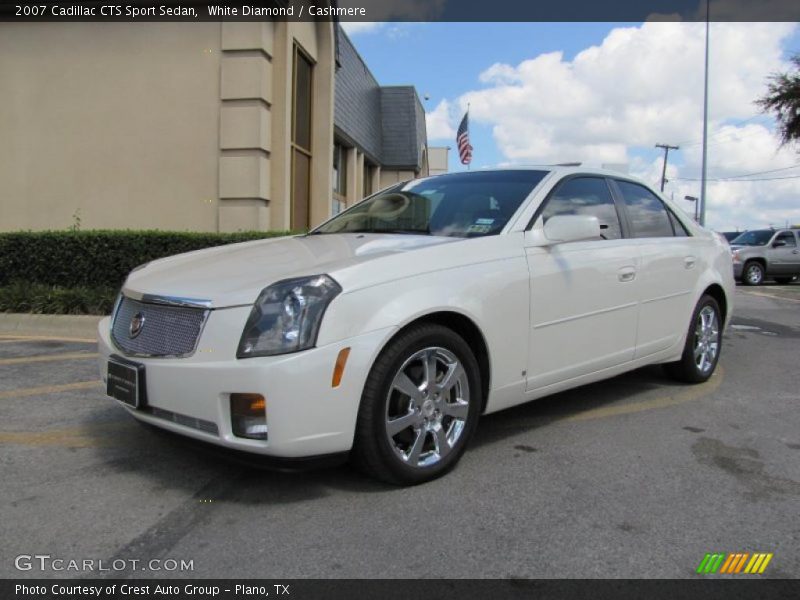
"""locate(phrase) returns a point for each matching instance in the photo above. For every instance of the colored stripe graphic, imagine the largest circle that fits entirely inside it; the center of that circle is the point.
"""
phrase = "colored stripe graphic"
(710, 563)
(739, 566)
(764, 564)
(728, 562)
(735, 562)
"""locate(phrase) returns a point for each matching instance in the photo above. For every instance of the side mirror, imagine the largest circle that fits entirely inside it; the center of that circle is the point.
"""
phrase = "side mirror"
(571, 228)
(778, 243)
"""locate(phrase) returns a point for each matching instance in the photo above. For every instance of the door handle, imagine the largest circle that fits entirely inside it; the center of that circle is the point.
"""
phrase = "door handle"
(626, 274)
(689, 262)
(795, 251)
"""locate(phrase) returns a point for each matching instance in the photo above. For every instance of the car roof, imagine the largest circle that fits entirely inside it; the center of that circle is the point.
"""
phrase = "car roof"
(558, 169)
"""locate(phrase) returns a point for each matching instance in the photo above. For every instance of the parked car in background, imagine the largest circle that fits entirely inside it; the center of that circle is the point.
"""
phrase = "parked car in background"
(387, 331)
(763, 253)
(730, 235)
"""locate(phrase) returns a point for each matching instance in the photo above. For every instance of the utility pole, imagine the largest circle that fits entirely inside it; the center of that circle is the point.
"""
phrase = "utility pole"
(666, 148)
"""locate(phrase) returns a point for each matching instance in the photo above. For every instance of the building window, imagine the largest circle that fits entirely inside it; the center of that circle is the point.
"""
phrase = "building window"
(302, 85)
(339, 200)
(339, 171)
(367, 179)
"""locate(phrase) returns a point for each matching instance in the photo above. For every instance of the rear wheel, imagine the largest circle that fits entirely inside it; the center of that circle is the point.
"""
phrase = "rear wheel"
(703, 344)
(419, 408)
(753, 273)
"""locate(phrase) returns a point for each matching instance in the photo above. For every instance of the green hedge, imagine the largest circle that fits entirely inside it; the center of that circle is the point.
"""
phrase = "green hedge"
(96, 259)
(24, 297)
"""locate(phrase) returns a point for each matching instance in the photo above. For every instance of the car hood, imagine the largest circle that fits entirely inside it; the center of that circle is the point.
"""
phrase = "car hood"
(233, 275)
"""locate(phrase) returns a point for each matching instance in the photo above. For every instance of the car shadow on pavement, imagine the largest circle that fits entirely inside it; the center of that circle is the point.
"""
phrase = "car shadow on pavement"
(572, 403)
(127, 447)
(170, 461)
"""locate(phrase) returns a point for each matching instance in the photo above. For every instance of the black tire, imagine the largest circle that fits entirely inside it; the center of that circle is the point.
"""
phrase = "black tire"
(783, 280)
(687, 369)
(753, 273)
(373, 452)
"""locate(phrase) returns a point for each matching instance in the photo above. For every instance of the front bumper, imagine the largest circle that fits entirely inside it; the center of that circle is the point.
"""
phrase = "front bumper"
(737, 270)
(306, 416)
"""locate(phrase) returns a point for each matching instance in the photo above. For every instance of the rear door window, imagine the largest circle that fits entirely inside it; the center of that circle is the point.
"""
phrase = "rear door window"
(586, 196)
(788, 237)
(648, 216)
(677, 226)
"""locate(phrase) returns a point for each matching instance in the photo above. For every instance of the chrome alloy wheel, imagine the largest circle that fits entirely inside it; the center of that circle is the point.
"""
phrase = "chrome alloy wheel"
(706, 339)
(754, 274)
(427, 407)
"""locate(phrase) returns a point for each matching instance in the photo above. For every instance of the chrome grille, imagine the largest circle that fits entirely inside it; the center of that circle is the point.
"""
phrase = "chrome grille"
(167, 330)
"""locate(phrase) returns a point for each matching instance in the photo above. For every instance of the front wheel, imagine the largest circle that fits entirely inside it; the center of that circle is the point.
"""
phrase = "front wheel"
(419, 408)
(703, 344)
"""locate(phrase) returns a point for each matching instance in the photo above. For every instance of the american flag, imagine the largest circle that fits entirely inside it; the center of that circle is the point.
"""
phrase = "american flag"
(462, 139)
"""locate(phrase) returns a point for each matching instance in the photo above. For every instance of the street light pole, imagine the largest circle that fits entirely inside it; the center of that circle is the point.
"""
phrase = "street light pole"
(693, 199)
(705, 126)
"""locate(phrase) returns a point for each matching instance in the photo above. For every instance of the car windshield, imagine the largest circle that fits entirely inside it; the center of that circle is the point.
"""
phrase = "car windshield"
(459, 205)
(754, 238)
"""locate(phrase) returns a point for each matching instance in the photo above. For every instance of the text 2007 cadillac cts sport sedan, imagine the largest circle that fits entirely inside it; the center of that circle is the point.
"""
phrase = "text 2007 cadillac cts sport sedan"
(387, 331)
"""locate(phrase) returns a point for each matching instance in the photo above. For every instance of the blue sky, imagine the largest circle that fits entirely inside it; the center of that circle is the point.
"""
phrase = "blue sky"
(446, 61)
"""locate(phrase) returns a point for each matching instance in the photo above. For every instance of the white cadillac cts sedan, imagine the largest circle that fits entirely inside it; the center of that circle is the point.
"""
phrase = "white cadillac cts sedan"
(386, 332)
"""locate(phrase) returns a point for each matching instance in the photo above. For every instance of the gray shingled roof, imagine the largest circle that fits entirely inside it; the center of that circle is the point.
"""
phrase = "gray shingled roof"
(387, 122)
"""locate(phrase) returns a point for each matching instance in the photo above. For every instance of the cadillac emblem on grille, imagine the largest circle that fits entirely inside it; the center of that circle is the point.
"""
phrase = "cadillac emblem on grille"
(137, 322)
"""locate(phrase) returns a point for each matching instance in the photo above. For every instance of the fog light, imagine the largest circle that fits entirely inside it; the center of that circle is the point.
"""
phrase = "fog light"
(249, 416)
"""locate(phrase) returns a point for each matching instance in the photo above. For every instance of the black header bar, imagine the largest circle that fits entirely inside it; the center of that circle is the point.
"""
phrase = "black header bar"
(702, 587)
(404, 10)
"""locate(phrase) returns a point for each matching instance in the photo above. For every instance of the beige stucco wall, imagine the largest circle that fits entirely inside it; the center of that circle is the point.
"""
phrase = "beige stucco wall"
(437, 159)
(390, 176)
(117, 120)
(182, 126)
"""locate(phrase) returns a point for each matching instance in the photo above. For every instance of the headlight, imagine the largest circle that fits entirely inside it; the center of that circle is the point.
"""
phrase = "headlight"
(735, 255)
(286, 316)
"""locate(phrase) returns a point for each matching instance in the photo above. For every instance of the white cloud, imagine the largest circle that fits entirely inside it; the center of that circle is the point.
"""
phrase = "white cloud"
(355, 27)
(439, 122)
(643, 85)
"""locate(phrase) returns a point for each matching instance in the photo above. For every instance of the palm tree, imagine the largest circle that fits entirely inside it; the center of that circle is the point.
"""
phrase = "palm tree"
(783, 99)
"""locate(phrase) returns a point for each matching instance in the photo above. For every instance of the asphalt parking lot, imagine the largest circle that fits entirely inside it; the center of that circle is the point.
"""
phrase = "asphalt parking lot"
(632, 477)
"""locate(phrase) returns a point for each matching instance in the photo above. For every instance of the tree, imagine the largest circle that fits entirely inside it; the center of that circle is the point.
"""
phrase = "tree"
(783, 99)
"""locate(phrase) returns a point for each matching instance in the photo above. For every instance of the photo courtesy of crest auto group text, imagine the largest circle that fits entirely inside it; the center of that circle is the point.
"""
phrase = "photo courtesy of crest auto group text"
(370, 298)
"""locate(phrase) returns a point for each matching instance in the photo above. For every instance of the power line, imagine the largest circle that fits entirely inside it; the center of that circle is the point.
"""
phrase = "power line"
(744, 174)
(739, 180)
(762, 172)
(733, 137)
(696, 142)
